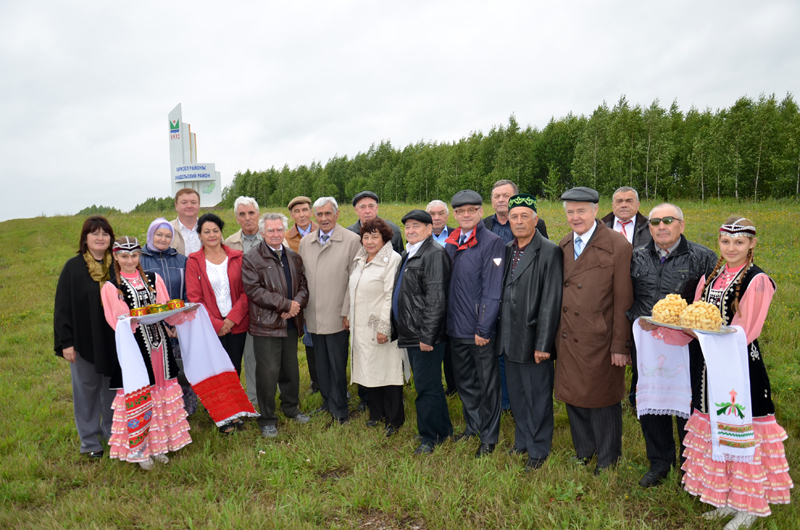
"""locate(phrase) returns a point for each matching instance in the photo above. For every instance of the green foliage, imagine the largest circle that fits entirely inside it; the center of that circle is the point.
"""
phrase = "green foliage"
(97, 210)
(154, 205)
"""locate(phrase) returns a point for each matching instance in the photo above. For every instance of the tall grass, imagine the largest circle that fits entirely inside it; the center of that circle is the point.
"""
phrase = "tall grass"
(323, 475)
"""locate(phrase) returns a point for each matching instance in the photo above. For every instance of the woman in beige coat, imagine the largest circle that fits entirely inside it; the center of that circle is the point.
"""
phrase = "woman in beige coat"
(377, 361)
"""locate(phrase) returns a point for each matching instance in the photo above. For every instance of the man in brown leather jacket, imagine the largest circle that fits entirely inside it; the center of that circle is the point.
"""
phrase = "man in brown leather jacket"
(277, 289)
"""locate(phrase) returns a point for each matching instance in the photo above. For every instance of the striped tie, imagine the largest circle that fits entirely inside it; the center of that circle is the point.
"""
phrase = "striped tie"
(664, 256)
(578, 246)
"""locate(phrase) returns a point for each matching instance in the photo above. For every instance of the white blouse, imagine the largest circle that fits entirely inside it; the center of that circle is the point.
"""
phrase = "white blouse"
(218, 276)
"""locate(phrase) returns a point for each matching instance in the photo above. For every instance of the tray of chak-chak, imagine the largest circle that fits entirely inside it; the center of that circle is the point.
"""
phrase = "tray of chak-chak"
(673, 312)
(158, 312)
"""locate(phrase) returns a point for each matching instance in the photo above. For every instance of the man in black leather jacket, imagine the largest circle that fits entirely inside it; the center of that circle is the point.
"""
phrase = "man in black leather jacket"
(529, 319)
(419, 310)
(681, 268)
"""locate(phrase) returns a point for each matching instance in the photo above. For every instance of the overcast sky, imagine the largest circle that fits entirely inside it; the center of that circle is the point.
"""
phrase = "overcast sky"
(85, 87)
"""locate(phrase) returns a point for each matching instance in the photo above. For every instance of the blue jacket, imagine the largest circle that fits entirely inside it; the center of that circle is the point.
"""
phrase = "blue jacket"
(171, 266)
(476, 283)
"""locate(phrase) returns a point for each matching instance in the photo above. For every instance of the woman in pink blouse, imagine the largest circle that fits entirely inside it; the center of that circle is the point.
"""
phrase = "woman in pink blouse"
(743, 293)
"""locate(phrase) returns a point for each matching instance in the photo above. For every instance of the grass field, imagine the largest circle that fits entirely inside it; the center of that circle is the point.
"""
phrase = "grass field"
(321, 475)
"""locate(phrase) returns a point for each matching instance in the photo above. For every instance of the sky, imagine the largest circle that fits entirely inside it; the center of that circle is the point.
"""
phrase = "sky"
(86, 86)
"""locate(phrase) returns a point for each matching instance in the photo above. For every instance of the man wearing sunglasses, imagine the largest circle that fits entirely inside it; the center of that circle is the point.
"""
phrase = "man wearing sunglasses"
(626, 219)
(671, 264)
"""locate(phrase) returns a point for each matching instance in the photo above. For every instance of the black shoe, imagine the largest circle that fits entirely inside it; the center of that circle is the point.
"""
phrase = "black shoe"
(462, 437)
(423, 449)
(95, 454)
(362, 406)
(372, 423)
(390, 430)
(534, 464)
(484, 449)
(653, 478)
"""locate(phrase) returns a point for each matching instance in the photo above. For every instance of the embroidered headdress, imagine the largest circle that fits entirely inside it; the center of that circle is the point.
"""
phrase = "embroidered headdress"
(126, 244)
(736, 230)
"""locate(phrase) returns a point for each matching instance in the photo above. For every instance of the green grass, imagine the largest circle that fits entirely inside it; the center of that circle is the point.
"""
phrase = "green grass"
(319, 475)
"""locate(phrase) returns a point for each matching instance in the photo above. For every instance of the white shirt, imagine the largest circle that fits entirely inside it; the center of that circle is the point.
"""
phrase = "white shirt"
(191, 239)
(218, 277)
(628, 228)
(412, 249)
(466, 235)
(585, 237)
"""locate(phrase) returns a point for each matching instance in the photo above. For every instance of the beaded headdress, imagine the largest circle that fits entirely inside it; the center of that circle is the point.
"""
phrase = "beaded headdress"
(126, 244)
(736, 230)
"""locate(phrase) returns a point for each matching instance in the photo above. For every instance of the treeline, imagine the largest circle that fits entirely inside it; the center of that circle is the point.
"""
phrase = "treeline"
(749, 151)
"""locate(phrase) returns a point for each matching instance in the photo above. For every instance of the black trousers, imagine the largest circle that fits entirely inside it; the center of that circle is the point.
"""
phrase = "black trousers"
(449, 377)
(659, 440)
(597, 431)
(433, 416)
(276, 365)
(331, 356)
(312, 367)
(530, 391)
(478, 378)
(386, 403)
(234, 345)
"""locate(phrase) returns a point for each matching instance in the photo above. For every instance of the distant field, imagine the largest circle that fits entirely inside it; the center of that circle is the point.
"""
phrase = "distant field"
(319, 475)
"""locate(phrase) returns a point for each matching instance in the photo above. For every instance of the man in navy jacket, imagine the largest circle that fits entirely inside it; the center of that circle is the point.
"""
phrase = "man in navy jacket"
(476, 285)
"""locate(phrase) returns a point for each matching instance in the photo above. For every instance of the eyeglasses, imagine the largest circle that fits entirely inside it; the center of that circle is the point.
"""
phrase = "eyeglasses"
(471, 210)
(655, 221)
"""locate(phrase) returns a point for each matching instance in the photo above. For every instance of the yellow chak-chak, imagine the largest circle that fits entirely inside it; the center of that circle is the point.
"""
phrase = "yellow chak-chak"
(702, 315)
(668, 310)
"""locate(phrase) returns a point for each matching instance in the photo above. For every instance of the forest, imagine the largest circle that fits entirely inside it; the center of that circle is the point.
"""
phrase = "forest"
(748, 152)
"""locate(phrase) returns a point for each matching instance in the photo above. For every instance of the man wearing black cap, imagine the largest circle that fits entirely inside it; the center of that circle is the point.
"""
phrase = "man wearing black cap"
(594, 339)
(526, 332)
(366, 206)
(476, 284)
(419, 309)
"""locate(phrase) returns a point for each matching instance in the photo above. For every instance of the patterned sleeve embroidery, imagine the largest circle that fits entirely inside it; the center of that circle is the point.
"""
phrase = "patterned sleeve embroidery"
(379, 325)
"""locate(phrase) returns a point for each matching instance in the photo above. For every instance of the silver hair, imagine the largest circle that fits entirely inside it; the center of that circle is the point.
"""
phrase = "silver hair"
(243, 201)
(270, 216)
(596, 205)
(322, 201)
(505, 182)
(437, 202)
(663, 204)
(625, 189)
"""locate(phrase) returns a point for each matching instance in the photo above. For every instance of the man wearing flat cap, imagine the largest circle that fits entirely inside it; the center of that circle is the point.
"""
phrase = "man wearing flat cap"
(594, 339)
(476, 284)
(526, 332)
(366, 206)
(300, 210)
(419, 311)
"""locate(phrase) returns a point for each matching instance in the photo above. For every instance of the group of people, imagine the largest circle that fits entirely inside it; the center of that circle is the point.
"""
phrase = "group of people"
(513, 318)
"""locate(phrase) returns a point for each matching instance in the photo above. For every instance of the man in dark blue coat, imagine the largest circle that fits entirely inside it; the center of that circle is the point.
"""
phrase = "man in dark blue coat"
(476, 284)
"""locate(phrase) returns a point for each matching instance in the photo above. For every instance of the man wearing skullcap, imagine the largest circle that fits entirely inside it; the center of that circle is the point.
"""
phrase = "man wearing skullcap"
(476, 284)
(594, 338)
(526, 332)
(419, 311)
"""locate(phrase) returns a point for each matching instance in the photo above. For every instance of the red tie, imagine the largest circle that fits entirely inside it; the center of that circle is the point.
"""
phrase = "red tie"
(622, 225)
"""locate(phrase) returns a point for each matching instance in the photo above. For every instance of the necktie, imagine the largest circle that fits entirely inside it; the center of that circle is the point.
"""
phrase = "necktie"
(622, 225)
(578, 246)
(664, 256)
(279, 253)
(462, 240)
(324, 238)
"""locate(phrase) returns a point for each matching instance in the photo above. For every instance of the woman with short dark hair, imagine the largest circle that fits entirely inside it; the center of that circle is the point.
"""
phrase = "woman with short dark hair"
(377, 361)
(81, 335)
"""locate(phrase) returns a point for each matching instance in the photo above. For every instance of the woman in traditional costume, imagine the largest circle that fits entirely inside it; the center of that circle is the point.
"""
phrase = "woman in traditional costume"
(741, 468)
(157, 256)
(81, 335)
(150, 421)
(377, 361)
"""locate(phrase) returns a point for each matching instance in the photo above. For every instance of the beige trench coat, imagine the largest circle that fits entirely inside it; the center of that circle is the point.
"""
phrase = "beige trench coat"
(597, 293)
(371, 289)
(327, 271)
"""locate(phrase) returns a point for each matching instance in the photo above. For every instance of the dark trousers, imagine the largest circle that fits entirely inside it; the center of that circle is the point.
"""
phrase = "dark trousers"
(234, 345)
(331, 356)
(660, 441)
(386, 403)
(505, 404)
(433, 417)
(530, 391)
(597, 431)
(276, 365)
(449, 377)
(478, 378)
(312, 367)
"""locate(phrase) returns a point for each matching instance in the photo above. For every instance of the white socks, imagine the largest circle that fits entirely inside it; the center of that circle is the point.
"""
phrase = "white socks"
(741, 521)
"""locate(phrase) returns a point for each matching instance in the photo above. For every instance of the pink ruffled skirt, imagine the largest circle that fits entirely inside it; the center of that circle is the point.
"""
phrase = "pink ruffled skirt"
(744, 486)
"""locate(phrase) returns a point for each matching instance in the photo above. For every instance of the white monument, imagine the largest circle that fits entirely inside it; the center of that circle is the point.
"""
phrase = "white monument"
(185, 171)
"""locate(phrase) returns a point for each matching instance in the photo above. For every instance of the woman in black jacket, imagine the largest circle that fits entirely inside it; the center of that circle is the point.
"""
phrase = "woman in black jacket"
(82, 336)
